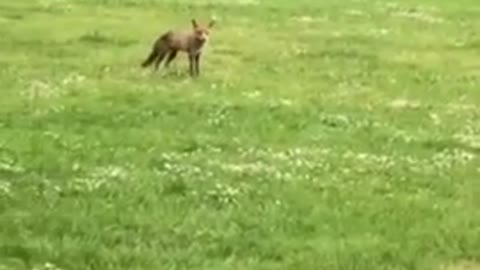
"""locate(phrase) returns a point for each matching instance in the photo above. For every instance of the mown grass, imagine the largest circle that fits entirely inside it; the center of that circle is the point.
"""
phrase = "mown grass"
(320, 135)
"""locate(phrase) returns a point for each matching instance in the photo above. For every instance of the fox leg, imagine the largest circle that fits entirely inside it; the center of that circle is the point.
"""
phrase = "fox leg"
(161, 54)
(170, 58)
(197, 64)
(191, 60)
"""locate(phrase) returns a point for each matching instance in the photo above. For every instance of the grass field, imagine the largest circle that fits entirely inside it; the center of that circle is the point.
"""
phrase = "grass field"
(320, 135)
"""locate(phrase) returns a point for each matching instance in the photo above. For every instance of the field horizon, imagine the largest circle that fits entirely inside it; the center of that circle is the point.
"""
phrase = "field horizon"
(320, 135)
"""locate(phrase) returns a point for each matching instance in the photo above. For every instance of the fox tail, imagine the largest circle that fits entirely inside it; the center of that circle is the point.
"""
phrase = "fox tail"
(150, 58)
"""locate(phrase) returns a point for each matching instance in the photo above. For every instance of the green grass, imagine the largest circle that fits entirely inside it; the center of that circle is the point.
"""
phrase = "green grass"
(320, 135)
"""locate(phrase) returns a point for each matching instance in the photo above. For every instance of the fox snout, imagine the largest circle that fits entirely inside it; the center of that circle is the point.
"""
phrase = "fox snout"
(202, 37)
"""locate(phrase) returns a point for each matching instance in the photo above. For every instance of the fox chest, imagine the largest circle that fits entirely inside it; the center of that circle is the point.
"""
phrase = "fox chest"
(196, 47)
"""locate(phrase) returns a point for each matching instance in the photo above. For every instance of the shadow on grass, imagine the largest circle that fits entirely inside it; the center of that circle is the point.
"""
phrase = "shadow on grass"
(440, 145)
(97, 37)
(17, 252)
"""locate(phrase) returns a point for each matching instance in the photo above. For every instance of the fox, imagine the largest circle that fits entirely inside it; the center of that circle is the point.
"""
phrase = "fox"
(173, 41)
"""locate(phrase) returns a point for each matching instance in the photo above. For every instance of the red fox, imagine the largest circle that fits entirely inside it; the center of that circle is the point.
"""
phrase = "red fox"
(173, 41)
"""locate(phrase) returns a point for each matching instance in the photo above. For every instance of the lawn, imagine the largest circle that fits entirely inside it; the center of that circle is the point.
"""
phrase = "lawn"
(320, 135)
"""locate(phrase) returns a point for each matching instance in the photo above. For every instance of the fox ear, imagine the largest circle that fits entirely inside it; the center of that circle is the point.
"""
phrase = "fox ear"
(212, 23)
(194, 23)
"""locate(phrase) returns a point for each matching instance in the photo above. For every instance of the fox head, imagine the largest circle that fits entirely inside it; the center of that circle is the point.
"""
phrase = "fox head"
(202, 33)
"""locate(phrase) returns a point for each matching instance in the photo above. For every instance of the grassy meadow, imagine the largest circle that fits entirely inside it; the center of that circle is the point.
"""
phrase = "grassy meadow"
(336, 134)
